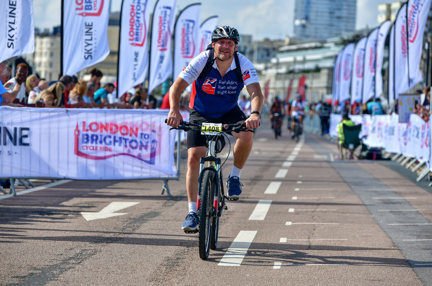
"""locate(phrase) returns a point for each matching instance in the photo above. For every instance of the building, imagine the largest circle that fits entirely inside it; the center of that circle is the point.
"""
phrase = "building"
(324, 19)
(388, 11)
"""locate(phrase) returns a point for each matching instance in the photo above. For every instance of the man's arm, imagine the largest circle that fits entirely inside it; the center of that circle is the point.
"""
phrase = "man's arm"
(257, 100)
(174, 116)
(9, 97)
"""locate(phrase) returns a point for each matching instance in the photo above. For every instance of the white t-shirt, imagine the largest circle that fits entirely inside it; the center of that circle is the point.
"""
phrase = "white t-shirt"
(21, 93)
(195, 67)
(296, 104)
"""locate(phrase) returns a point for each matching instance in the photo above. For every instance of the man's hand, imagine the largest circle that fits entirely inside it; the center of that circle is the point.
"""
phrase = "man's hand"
(174, 118)
(253, 121)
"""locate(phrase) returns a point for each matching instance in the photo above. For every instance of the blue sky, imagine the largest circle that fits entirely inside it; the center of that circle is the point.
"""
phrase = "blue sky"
(261, 18)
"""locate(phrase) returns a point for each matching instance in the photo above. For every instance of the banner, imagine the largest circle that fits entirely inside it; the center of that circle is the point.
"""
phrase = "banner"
(289, 90)
(336, 78)
(418, 11)
(186, 37)
(87, 144)
(133, 59)
(161, 65)
(400, 53)
(370, 66)
(391, 71)
(205, 33)
(358, 71)
(345, 73)
(382, 35)
(17, 32)
(301, 89)
(85, 34)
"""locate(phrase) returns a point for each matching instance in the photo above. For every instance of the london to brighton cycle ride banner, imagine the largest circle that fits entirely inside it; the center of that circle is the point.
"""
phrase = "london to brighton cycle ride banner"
(87, 144)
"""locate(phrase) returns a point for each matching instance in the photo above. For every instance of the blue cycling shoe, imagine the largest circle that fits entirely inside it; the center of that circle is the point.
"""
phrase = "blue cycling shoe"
(190, 225)
(234, 188)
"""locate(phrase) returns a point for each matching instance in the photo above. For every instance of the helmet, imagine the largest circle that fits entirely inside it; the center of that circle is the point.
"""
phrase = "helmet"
(225, 32)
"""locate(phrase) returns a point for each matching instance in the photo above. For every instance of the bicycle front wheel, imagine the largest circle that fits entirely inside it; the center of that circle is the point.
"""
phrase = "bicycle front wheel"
(207, 188)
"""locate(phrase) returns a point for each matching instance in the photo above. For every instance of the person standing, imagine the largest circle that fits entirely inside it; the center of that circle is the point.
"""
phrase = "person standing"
(19, 79)
(217, 85)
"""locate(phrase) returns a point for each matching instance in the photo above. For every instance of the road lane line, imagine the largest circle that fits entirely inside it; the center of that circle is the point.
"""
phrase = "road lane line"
(284, 239)
(288, 223)
(273, 188)
(238, 249)
(296, 189)
(281, 173)
(290, 210)
(260, 211)
(417, 240)
(409, 224)
(277, 265)
(394, 198)
(299, 182)
(287, 164)
(294, 198)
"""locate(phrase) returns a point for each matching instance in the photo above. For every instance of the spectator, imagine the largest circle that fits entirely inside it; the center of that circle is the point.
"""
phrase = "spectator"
(94, 82)
(5, 96)
(5, 72)
(324, 114)
(245, 105)
(31, 84)
(347, 121)
(65, 84)
(19, 79)
(165, 102)
(101, 95)
(374, 107)
(47, 97)
(138, 100)
(77, 94)
(152, 101)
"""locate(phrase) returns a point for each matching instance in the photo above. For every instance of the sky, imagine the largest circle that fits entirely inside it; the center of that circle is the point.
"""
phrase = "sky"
(271, 19)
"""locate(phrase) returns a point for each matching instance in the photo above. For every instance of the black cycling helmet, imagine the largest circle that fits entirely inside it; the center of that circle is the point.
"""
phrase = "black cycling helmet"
(225, 32)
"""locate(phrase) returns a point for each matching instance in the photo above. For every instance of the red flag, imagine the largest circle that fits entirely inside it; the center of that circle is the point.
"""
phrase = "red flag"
(289, 90)
(266, 90)
(302, 87)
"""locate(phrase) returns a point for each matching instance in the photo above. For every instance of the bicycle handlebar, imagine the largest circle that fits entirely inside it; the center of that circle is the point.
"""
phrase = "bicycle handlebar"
(233, 127)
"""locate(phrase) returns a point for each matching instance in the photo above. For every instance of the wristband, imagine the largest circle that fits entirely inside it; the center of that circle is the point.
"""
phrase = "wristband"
(255, 112)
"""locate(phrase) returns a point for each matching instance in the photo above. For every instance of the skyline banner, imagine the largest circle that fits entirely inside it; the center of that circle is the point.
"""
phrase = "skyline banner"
(400, 53)
(161, 63)
(133, 56)
(205, 33)
(358, 71)
(17, 33)
(186, 34)
(86, 27)
(391, 67)
(382, 36)
(289, 91)
(370, 66)
(346, 72)
(417, 14)
(336, 78)
(301, 88)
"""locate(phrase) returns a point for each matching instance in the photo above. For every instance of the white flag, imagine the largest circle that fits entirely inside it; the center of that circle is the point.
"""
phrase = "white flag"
(358, 71)
(336, 78)
(382, 35)
(17, 32)
(133, 53)
(400, 53)
(186, 37)
(370, 66)
(206, 31)
(346, 71)
(418, 11)
(85, 30)
(160, 58)
(391, 71)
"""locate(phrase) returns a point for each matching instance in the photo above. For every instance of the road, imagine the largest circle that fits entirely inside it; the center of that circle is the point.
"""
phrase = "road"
(304, 218)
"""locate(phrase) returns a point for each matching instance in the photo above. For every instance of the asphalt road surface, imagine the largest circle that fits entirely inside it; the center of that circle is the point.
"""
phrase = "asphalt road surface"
(304, 218)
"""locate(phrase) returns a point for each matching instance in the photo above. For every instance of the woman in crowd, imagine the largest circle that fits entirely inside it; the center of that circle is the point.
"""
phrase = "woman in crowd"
(31, 83)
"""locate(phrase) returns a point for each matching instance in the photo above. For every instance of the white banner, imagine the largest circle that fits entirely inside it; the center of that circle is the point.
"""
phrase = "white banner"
(391, 71)
(85, 27)
(391, 134)
(358, 71)
(370, 66)
(336, 78)
(186, 37)
(400, 53)
(403, 137)
(133, 57)
(88, 144)
(161, 65)
(345, 73)
(17, 29)
(334, 121)
(205, 33)
(418, 11)
(382, 35)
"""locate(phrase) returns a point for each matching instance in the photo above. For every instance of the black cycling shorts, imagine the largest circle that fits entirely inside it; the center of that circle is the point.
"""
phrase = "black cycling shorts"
(194, 137)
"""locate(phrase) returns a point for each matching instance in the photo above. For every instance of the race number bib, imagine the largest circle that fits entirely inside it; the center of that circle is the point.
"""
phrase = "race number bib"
(211, 128)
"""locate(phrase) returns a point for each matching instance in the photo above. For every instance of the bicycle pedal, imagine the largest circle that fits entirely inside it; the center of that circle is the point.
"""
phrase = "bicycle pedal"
(191, 231)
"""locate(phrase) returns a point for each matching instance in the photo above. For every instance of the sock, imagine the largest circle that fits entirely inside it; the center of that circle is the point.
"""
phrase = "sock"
(235, 172)
(192, 207)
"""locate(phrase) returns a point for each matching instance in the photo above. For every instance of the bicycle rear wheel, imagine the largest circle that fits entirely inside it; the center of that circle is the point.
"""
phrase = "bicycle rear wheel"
(207, 188)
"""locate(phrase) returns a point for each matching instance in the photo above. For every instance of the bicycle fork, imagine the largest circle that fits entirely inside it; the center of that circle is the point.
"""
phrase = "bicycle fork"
(213, 164)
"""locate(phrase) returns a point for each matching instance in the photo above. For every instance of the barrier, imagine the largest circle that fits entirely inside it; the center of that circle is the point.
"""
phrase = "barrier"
(87, 144)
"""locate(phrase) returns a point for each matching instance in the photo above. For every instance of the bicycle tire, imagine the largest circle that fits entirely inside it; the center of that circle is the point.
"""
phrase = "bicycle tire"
(206, 213)
(215, 222)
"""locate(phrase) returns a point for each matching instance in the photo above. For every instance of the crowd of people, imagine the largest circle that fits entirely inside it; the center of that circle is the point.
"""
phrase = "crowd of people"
(24, 89)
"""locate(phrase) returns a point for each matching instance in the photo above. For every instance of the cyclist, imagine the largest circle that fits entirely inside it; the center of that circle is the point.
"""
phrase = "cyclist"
(297, 112)
(277, 108)
(215, 100)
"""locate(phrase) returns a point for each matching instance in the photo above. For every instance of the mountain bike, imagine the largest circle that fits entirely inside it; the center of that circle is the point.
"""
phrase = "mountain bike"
(298, 129)
(211, 193)
(276, 124)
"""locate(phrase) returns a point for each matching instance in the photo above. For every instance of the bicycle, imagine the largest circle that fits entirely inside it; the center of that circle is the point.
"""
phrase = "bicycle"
(298, 130)
(276, 124)
(211, 193)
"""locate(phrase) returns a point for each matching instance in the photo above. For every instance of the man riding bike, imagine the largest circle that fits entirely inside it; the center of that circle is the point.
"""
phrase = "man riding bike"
(277, 112)
(215, 100)
(297, 112)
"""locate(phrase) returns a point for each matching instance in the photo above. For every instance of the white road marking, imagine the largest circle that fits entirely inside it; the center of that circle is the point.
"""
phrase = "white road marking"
(331, 157)
(238, 249)
(299, 182)
(260, 211)
(296, 189)
(290, 210)
(317, 198)
(273, 188)
(262, 139)
(277, 265)
(417, 240)
(294, 198)
(394, 198)
(108, 211)
(401, 210)
(40, 188)
(312, 239)
(316, 210)
(291, 158)
(295, 152)
(287, 164)
(281, 173)
(283, 240)
(409, 224)
(321, 157)
(288, 223)
(300, 176)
